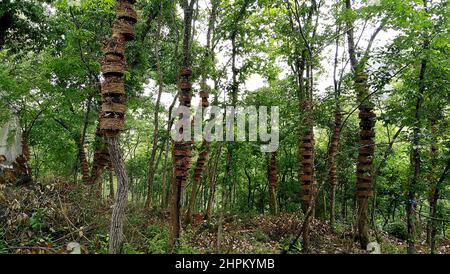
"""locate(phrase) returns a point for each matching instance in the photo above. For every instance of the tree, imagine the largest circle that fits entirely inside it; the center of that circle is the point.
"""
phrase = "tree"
(204, 94)
(182, 149)
(113, 109)
(366, 127)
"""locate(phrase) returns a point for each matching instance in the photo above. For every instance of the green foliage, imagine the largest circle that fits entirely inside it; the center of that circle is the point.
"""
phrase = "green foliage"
(261, 236)
(37, 218)
(50, 74)
(397, 229)
(3, 243)
(389, 248)
(130, 249)
(157, 238)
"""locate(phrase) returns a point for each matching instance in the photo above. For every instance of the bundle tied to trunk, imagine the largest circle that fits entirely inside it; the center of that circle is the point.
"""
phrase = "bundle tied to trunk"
(112, 115)
(332, 174)
(306, 152)
(364, 181)
(182, 151)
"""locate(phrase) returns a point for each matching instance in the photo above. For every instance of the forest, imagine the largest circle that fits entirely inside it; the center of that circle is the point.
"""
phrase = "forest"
(224, 126)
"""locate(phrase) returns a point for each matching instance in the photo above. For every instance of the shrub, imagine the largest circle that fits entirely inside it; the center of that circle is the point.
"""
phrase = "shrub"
(397, 229)
(261, 236)
(157, 237)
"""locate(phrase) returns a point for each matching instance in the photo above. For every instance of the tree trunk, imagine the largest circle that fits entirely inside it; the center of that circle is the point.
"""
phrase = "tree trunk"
(415, 161)
(332, 168)
(212, 185)
(433, 208)
(181, 149)
(83, 162)
(366, 151)
(116, 231)
(168, 171)
(204, 95)
(196, 179)
(152, 165)
(272, 179)
(334, 144)
(112, 114)
(111, 182)
(306, 151)
(221, 221)
(26, 154)
(164, 192)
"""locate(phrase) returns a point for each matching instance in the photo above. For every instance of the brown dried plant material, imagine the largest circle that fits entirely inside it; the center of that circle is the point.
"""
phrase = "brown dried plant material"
(109, 106)
(114, 45)
(113, 65)
(125, 10)
(306, 159)
(123, 28)
(113, 85)
(111, 125)
(101, 160)
(364, 182)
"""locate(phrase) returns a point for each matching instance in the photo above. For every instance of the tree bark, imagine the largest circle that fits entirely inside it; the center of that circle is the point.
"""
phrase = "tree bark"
(112, 120)
(272, 180)
(111, 182)
(204, 94)
(83, 162)
(332, 167)
(181, 149)
(152, 165)
(212, 185)
(367, 117)
(335, 138)
(198, 170)
(433, 207)
(116, 230)
(415, 161)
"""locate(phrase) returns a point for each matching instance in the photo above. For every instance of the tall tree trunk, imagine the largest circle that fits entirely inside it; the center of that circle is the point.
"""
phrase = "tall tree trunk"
(415, 162)
(307, 169)
(84, 166)
(272, 180)
(204, 95)
(198, 170)
(335, 137)
(182, 149)
(111, 181)
(83, 162)
(431, 178)
(152, 165)
(234, 89)
(116, 231)
(168, 171)
(221, 221)
(332, 168)
(26, 155)
(111, 116)
(435, 192)
(212, 185)
(367, 118)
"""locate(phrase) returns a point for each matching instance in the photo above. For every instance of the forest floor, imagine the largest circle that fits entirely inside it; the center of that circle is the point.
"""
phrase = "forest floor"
(45, 217)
